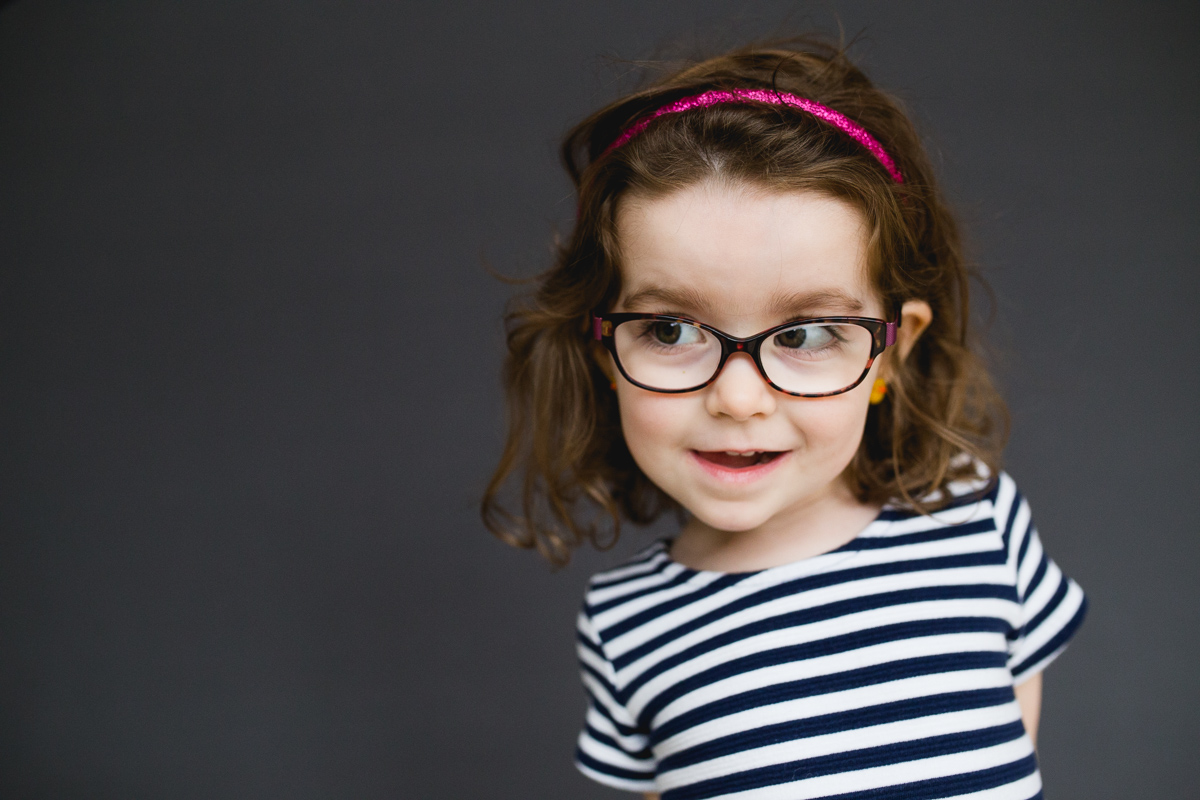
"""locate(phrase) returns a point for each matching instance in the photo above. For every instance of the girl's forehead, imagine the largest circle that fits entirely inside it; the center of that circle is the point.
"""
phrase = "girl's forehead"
(740, 251)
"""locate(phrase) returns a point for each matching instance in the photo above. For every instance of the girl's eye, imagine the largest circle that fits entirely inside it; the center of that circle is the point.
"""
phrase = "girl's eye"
(674, 333)
(807, 337)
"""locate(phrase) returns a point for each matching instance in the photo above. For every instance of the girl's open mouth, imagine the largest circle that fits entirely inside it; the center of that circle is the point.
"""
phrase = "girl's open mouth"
(732, 460)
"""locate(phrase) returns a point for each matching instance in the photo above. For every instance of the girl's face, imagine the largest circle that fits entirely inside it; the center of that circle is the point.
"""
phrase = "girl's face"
(743, 260)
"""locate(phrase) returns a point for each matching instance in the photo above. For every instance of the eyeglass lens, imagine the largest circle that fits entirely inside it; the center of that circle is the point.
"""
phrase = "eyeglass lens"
(808, 358)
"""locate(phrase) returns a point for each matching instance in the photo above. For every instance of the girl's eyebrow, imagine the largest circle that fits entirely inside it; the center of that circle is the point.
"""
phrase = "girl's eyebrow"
(796, 304)
(684, 299)
(801, 304)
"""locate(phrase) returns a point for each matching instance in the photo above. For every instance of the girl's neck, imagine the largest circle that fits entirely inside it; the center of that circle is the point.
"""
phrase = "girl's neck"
(810, 531)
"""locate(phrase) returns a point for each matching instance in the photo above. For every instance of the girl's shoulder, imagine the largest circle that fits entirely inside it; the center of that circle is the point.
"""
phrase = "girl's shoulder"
(979, 489)
(644, 569)
(980, 504)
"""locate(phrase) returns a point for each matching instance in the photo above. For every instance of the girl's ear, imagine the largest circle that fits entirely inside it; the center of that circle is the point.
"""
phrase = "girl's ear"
(915, 316)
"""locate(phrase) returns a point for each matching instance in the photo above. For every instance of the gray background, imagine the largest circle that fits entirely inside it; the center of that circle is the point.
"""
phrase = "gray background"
(249, 353)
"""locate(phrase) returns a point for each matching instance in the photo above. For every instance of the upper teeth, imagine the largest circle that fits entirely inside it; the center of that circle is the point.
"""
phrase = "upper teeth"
(740, 453)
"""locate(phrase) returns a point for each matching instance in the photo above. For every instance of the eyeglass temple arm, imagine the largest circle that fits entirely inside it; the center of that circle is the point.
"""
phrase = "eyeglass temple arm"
(889, 333)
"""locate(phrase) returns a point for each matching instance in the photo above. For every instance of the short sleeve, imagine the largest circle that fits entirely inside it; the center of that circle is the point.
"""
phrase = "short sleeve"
(1051, 605)
(611, 749)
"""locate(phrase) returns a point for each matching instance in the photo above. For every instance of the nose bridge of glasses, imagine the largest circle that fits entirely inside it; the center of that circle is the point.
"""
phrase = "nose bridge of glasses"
(748, 347)
(734, 344)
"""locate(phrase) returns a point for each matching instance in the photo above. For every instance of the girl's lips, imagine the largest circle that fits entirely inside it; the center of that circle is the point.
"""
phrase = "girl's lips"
(738, 468)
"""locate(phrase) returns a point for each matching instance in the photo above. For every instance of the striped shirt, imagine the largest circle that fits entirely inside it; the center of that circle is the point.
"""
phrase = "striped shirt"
(884, 668)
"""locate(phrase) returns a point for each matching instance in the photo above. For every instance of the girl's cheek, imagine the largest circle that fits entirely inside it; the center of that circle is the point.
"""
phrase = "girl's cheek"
(649, 420)
(835, 422)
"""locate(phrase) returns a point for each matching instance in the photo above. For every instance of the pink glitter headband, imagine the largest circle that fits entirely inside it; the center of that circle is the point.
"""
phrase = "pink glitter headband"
(719, 96)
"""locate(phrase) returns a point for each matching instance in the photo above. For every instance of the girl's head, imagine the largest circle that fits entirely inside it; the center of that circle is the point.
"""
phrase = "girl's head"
(743, 216)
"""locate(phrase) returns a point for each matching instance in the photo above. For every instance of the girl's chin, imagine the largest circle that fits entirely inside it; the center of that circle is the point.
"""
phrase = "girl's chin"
(731, 520)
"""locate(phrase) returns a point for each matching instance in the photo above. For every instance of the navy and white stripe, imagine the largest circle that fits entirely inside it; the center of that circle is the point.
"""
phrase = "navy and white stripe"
(883, 668)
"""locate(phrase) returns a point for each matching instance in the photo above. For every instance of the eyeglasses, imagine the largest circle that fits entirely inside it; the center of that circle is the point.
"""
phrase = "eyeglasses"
(815, 357)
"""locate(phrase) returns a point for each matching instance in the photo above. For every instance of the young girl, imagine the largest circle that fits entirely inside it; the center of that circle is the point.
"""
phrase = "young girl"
(760, 321)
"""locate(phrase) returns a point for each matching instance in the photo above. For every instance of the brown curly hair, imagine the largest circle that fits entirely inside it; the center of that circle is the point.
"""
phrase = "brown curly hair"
(577, 479)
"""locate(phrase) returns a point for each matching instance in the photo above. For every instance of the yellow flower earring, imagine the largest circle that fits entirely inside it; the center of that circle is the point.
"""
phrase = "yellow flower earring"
(878, 391)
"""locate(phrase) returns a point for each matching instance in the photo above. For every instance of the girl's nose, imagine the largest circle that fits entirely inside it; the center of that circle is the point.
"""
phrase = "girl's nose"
(740, 391)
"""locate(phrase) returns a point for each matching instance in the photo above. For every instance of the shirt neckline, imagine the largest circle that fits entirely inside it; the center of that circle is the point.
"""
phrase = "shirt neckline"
(811, 564)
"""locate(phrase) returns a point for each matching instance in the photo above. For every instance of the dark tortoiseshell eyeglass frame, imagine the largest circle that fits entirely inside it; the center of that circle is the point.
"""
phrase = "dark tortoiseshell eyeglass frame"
(883, 336)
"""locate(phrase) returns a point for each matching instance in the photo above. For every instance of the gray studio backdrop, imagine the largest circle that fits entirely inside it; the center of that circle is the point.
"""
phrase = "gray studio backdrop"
(249, 358)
